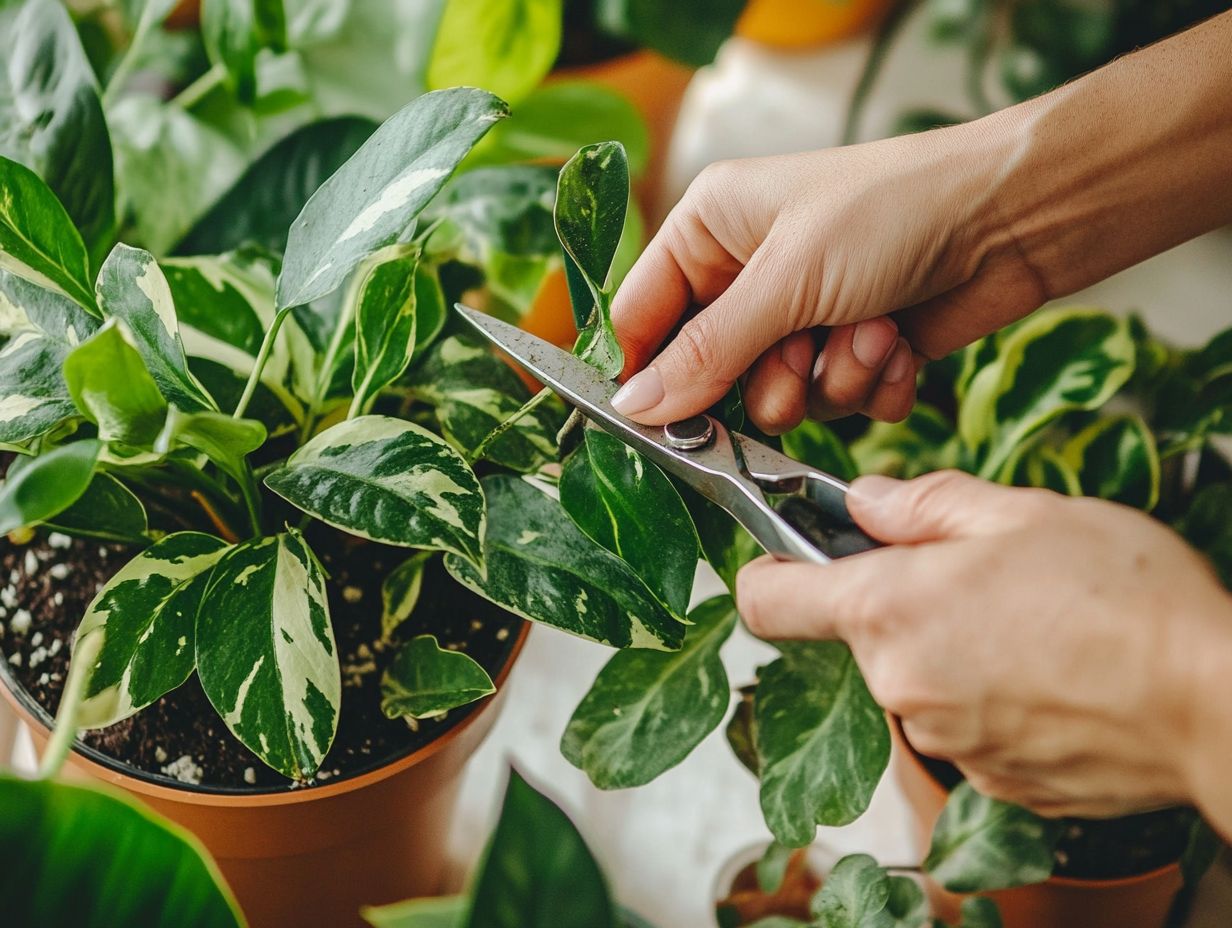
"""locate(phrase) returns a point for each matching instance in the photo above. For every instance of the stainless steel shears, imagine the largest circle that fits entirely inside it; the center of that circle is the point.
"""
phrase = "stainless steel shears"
(794, 511)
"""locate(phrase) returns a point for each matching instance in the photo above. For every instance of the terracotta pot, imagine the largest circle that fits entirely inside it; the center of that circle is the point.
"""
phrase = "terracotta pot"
(805, 24)
(1140, 901)
(314, 856)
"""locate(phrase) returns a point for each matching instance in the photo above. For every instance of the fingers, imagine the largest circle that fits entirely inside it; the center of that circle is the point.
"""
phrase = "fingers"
(859, 363)
(777, 386)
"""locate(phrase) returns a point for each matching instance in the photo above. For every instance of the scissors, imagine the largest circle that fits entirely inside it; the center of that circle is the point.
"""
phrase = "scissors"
(794, 511)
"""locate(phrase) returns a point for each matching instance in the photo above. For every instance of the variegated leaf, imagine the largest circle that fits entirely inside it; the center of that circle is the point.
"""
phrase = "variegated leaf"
(400, 591)
(235, 31)
(925, 441)
(1043, 466)
(42, 326)
(425, 680)
(1115, 458)
(131, 287)
(107, 510)
(266, 654)
(387, 480)
(384, 324)
(142, 626)
(472, 392)
(539, 565)
(40, 488)
(648, 709)
(375, 196)
(854, 895)
(109, 383)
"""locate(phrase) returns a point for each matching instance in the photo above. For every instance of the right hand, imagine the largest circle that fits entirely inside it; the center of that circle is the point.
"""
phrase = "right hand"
(894, 246)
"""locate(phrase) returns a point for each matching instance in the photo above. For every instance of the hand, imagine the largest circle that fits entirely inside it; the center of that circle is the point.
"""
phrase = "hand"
(773, 249)
(1064, 653)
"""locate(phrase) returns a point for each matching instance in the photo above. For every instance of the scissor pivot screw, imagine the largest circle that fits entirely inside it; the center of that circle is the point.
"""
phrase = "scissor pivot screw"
(689, 434)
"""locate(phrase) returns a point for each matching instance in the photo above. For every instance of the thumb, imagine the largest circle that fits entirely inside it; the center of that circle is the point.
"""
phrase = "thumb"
(945, 504)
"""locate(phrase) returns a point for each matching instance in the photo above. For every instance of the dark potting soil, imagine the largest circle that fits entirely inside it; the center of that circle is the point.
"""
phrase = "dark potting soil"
(46, 585)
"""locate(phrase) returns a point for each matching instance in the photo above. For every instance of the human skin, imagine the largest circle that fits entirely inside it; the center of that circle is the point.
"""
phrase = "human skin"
(1101, 690)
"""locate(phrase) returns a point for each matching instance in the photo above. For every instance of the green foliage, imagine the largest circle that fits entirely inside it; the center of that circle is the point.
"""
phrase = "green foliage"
(41, 488)
(111, 387)
(689, 31)
(235, 31)
(426, 681)
(384, 324)
(854, 895)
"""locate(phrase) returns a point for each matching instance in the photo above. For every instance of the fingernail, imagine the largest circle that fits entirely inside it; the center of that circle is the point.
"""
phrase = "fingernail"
(797, 353)
(873, 340)
(640, 392)
(874, 488)
(900, 364)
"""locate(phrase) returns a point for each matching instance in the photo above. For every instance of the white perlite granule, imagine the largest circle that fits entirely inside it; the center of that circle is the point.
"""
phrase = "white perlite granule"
(8, 597)
(58, 571)
(57, 540)
(31, 564)
(160, 755)
(250, 775)
(184, 769)
(352, 594)
(20, 623)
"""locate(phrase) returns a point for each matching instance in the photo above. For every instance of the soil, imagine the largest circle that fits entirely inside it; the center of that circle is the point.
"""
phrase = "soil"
(46, 585)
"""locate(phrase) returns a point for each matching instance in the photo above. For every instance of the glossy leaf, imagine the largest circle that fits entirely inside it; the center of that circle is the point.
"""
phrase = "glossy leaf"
(387, 480)
(384, 324)
(225, 440)
(647, 710)
(400, 591)
(815, 444)
(1115, 458)
(688, 31)
(47, 485)
(107, 510)
(428, 912)
(506, 46)
(38, 240)
(375, 196)
(539, 565)
(923, 442)
(1042, 466)
(822, 741)
(266, 654)
(425, 681)
(142, 625)
(726, 545)
(51, 119)
(131, 287)
(537, 871)
(234, 32)
(54, 836)
(854, 895)
(109, 383)
(981, 844)
(625, 503)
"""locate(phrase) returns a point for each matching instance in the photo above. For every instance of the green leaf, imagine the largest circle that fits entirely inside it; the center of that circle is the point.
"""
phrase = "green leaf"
(726, 545)
(51, 119)
(143, 623)
(42, 327)
(107, 510)
(1115, 458)
(772, 867)
(400, 591)
(982, 844)
(375, 196)
(266, 653)
(1207, 525)
(741, 731)
(225, 440)
(109, 383)
(429, 912)
(472, 392)
(54, 836)
(921, 443)
(235, 31)
(647, 710)
(506, 46)
(817, 446)
(625, 503)
(537, 871)
(429, 307)
(688, 31)
(38, 240)
(1043, 466)
(907, 906)
(978, 912)
(387, 480)
(854, 895)
(260, 206)
(47, 485)
(822, 741)
(425, 681)
(384, 323)
(539, 565)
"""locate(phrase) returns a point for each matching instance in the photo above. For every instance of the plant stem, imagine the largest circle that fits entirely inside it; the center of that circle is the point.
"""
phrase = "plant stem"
(267, 344)
(506, 425)
(85, 654)
(129, 60)
(326, 373)
(195, 92)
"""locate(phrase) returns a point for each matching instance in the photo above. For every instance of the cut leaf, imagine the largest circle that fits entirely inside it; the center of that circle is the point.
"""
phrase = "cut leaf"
(47, 485)
(108, 381)
(648, 709)
(372, 199)
(822, 742)
(142, 627)
(425, 681)
(107, 510)
(384, 324)
(539, 565)
(854, 895)
(234, 32)
(387, 480)
(400, 591)
(266, 654)
(1116, 459)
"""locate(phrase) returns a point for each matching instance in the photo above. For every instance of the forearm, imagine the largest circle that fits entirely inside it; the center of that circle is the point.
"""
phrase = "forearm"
(1208, 734)
(1119, 165)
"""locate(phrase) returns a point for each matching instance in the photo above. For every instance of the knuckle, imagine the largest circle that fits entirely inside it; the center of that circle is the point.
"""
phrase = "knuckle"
(934, 492)
(697, 349)
(776, 413)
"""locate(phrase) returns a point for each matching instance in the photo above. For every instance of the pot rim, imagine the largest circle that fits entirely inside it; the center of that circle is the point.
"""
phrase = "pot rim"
(1069, 882)
(161, 787)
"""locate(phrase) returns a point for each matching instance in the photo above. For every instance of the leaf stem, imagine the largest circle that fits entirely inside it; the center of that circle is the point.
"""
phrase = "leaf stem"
(326, 373)
(507, 424)
(129, 60)
(65, 731)
(258, 365)
(195, 92)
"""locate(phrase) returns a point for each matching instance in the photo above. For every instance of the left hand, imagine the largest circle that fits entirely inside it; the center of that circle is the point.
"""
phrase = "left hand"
(1060, 651)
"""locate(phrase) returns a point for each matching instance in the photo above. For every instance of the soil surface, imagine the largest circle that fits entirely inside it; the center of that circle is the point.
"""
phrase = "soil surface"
(46, 585)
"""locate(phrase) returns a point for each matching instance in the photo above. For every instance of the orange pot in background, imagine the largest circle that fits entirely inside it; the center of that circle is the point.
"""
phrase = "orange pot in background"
(800, 24)
(1140, 901)
(314, 856)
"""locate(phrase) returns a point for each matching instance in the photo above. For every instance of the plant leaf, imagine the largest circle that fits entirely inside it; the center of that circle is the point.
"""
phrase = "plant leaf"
(1042, 466)
(923, 442)
(131, 287)
(625, 503)
(726, 545)
(647, 710)
(822, 742)
(1116, 459)
(688, 31)
(235, 31)
(109, 383)
(143, 620)
(53, 835)
(387, 480)
(225, 440)
(425, 681)
(907, 905)
(107, 510)
(266, 654)
(51, 119)
(741, 731)
(1207, 525)
(428, 912)
(373, 198)
(38, 240)
(854, 895)
(384, 323)
(816, 445)
(507, 46)
(47, 485)
(400, 591)
(980, 912)
(982, 844)
(539, 565)
(537, 871)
